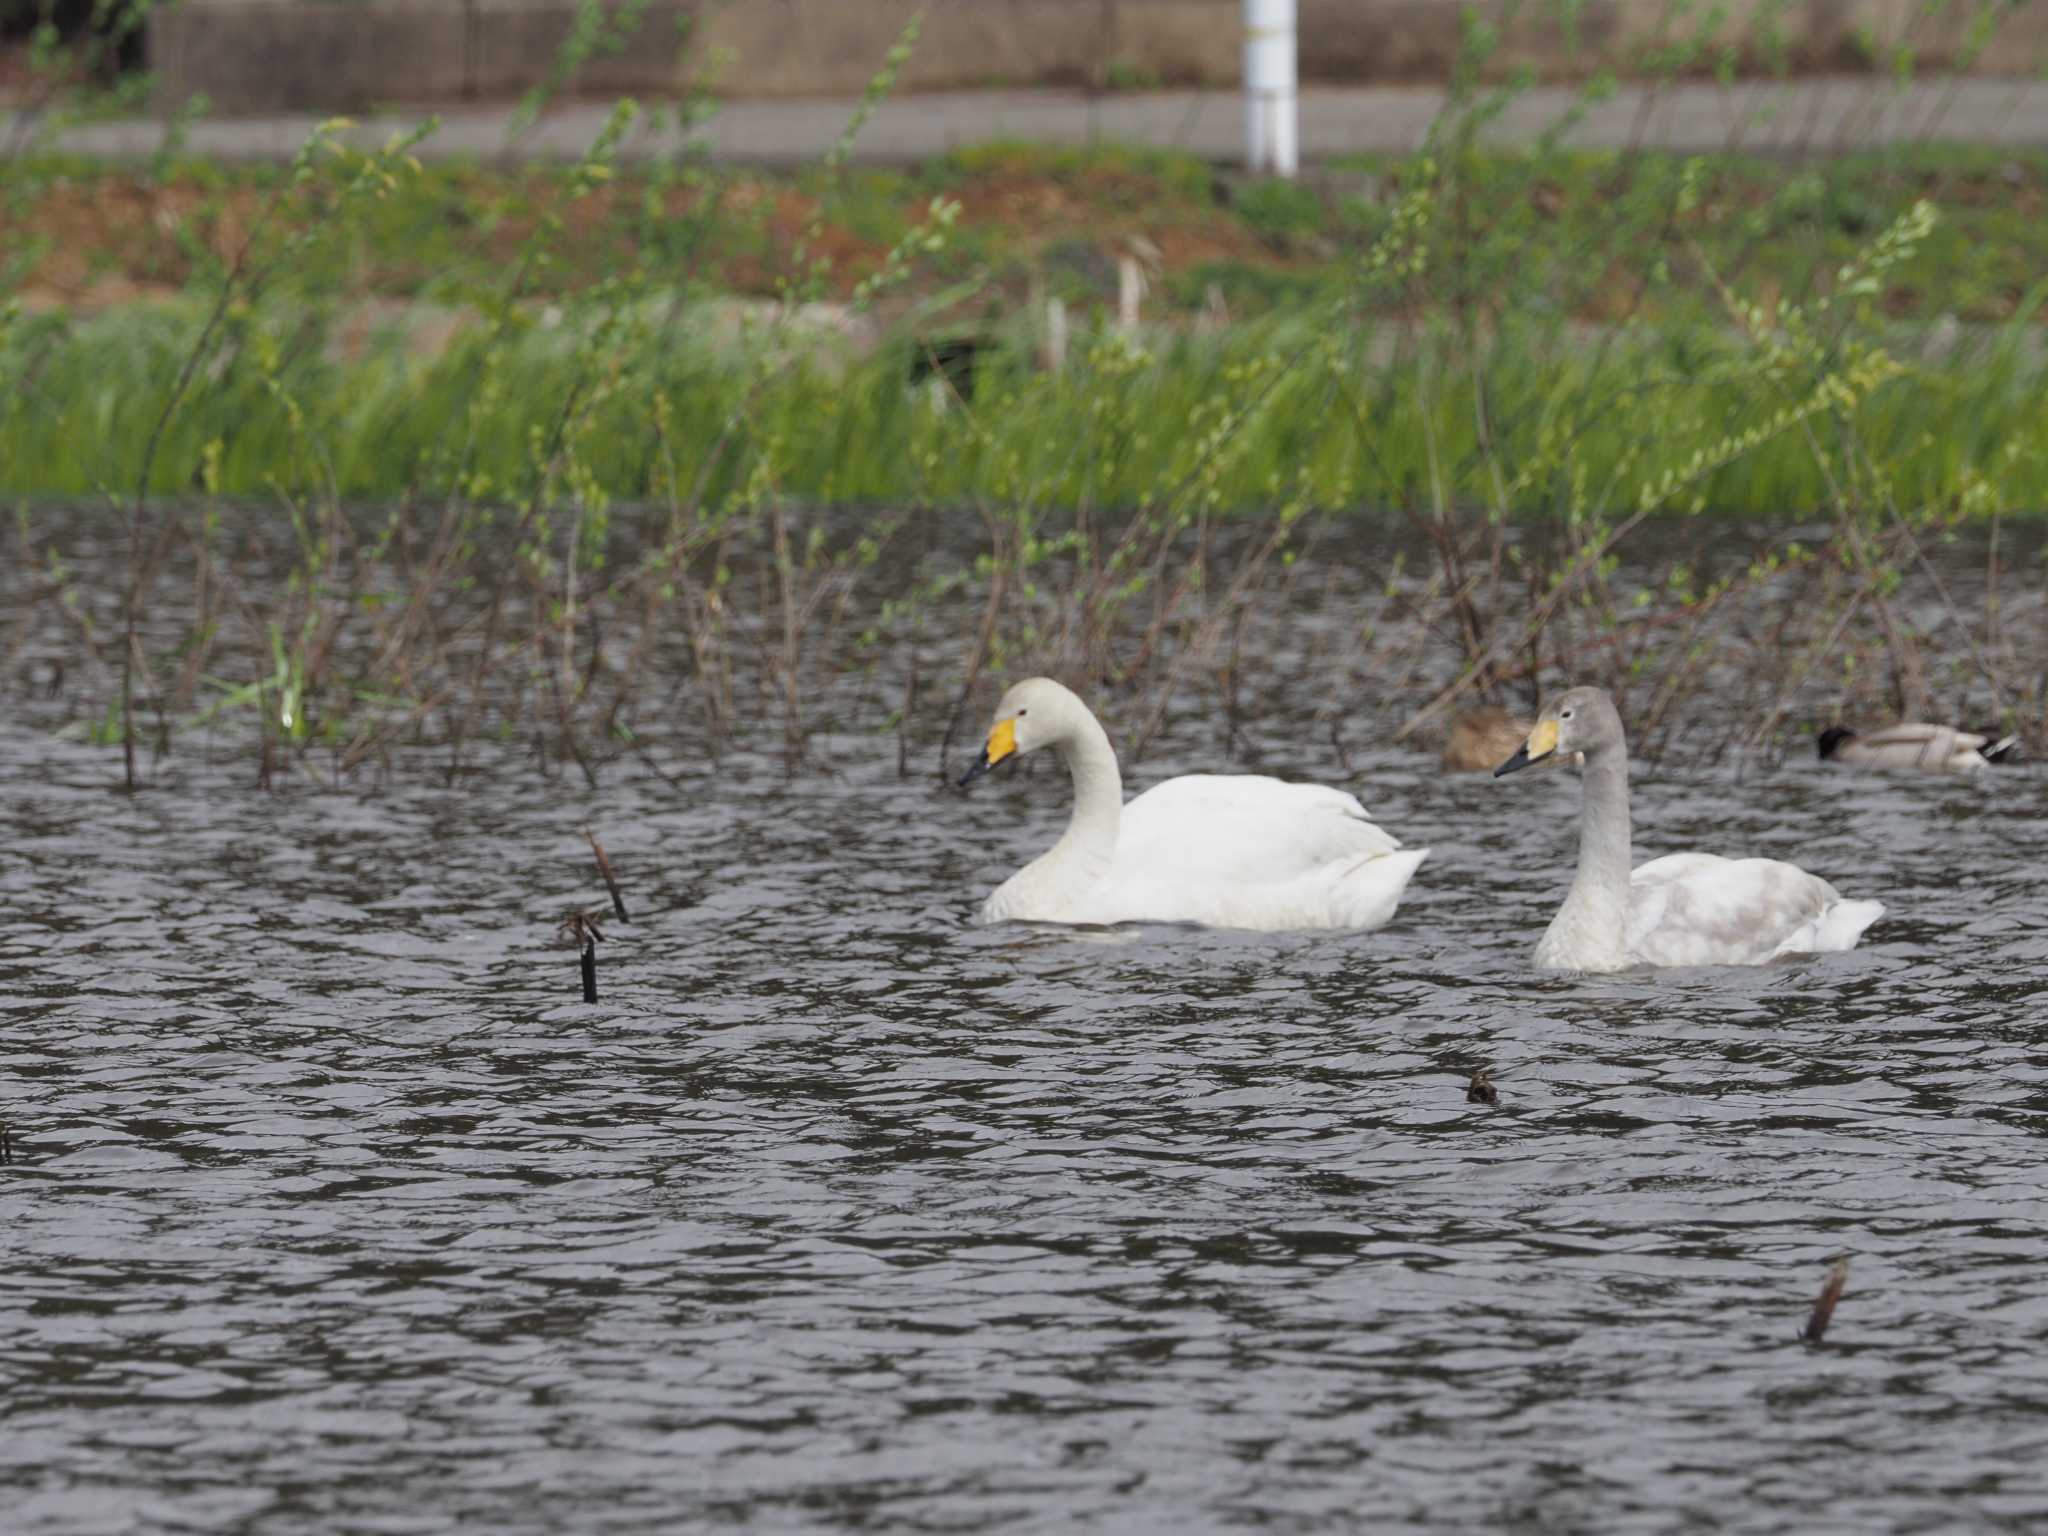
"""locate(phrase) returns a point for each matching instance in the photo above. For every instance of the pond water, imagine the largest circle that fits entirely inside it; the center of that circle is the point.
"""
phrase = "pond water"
(334, 1209)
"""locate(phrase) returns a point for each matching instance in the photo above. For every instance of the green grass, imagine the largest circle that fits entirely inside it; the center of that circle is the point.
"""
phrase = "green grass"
(1576, 336)
(1255, 416)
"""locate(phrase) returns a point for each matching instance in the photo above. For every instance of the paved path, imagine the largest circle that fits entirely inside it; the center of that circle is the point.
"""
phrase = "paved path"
(1807, 115)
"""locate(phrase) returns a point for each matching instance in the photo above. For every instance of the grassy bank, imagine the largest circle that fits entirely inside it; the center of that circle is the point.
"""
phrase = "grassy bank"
(646, 432)
(1033, 221)
(1544, 333)
(1325, 407)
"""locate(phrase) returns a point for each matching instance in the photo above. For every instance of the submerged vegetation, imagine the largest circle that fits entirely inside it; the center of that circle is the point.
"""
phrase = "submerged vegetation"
(622, 424)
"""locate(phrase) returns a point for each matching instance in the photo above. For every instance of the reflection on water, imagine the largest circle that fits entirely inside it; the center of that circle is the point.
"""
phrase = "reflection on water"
(335, 1210)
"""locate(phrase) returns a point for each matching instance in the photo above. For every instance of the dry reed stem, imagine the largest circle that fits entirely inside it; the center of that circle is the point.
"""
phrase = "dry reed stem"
(1824, 1304)
(604, 868)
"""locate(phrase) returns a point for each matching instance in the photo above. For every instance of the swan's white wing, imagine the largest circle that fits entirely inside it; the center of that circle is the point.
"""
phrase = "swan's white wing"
(1700, 909)
(1246, 826)
(1248, 851)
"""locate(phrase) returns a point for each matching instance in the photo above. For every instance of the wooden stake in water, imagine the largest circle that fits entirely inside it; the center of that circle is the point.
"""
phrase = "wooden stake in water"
(1824, 1305)
(580, 929)
(6, 1145)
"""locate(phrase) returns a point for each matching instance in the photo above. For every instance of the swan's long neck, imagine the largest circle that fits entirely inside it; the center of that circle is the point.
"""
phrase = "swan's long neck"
(1590, 931)
(1088, 846)
(1051, 885)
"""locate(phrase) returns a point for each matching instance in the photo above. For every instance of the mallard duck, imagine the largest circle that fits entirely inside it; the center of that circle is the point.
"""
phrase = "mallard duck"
(1223, 850)
(1913, 747)
(1682, 909)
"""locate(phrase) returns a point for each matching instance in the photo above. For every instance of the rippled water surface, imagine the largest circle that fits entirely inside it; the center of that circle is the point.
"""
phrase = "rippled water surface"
(333, 1207)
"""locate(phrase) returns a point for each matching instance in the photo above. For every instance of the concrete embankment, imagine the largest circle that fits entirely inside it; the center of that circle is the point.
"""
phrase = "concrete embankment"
(348, 55)
(1798, 117)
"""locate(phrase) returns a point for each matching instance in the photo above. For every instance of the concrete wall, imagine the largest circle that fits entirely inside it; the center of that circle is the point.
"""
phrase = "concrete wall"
(267, 55)
(821, 47)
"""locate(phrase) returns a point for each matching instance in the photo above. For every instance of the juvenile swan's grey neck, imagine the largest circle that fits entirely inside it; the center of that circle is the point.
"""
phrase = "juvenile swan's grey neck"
(1590, 931)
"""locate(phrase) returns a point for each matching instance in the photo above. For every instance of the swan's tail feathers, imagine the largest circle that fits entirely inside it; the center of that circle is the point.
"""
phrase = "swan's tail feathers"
(1366, 894)
(1843, 924)
(1999, 751)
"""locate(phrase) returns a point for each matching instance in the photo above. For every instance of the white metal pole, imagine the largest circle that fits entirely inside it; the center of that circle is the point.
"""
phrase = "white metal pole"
(1271, 137)
(1130, 293)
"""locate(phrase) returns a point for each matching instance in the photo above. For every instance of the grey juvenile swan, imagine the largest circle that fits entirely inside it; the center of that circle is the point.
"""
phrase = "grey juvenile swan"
(1685, 908)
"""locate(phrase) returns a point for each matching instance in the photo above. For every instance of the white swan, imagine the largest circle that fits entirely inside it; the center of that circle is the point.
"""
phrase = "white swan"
(1685, 908)
(1913, 747)
(1226, 851)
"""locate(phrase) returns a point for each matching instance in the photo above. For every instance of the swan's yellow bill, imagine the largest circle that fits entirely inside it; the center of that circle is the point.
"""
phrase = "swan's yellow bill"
(1541, 743)
(1002, 741)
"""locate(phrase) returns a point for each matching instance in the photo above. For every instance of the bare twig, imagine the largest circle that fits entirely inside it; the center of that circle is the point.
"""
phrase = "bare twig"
(1824, 1305)
(604, 868)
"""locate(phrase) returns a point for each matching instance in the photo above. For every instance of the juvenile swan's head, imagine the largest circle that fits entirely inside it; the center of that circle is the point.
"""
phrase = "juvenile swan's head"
(1035, 713)
(1583, 720)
